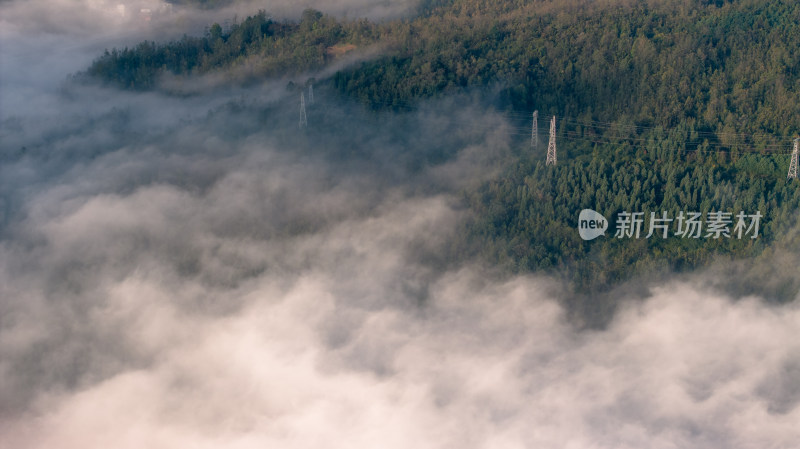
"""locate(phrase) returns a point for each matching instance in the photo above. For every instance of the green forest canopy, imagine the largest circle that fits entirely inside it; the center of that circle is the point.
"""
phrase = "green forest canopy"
(674, 105)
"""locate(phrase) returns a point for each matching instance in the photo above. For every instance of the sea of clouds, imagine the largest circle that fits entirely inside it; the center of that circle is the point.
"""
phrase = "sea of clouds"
(176, 272)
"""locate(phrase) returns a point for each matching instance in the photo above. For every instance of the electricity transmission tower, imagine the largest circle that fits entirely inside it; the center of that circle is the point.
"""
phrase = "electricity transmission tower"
(303, 119)
(793, 163)
(535, 131)
(551, 147)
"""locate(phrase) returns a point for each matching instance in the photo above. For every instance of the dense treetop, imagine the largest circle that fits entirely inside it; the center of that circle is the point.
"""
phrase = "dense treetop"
(668, 105)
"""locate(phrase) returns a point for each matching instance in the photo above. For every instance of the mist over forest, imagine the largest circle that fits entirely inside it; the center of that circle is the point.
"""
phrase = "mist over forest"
(183, 263)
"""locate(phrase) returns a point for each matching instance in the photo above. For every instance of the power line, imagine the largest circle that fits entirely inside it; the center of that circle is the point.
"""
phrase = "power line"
(303, 118)
(608, 133)
(551, 146)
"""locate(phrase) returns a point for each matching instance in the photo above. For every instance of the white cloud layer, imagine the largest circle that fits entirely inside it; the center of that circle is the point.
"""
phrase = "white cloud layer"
(172, 274)
(333, 346)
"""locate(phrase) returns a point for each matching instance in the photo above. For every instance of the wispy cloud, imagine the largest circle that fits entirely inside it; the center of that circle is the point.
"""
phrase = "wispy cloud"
(195, 272)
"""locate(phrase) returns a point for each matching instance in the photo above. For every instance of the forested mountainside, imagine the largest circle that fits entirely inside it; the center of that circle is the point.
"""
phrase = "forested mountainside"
(661, 106)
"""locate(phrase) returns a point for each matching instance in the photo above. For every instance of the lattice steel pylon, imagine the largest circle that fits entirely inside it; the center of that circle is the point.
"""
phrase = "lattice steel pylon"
(535, 131)
(793, 163)
(303, 118)
(551, 147)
